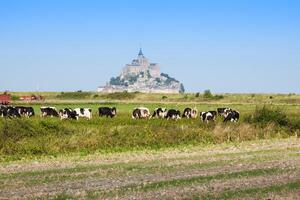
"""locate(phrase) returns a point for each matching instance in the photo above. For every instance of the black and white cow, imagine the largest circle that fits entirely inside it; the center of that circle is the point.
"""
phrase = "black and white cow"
(159, 113)
(3, 111)
(173, 114)
(25, 111)
(49, 111)
(223, 111)
(190, 113)
(214, 113)
(67, 113)
(140, 113)
(83, 112)
(232, 116)
(9, 111)
(13, 112)
(207, 116)
(108, 112)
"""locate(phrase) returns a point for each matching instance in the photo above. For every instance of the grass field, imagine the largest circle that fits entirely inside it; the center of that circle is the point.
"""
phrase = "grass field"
(123, 158)
(190, 98)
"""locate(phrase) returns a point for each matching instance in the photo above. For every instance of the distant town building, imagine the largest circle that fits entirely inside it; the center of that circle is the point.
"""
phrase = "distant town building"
(142, 76)
(5, 98)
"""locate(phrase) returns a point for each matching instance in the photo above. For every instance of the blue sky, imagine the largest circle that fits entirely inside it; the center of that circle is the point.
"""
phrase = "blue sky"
(225, 46)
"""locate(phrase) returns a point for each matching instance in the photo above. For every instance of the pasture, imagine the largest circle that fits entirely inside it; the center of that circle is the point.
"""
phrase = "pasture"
(106, 158)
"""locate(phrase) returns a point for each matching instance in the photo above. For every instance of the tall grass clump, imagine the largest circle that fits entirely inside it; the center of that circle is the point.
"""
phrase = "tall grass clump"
(267, 114)
(121, 95)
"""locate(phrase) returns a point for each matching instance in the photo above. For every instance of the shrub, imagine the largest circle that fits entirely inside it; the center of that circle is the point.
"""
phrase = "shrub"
(116, 81)
(15, 98)
(207, 94)
(217, 97)
(266, 115)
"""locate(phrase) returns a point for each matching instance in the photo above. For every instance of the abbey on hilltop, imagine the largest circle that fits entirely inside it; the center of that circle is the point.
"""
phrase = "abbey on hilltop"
(142, 76)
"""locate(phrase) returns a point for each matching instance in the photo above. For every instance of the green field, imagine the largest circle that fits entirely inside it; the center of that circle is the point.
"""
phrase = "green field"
(190, 98)
(157, 158)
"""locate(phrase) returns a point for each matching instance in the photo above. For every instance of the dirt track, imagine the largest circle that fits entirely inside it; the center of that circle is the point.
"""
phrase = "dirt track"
(220, 171)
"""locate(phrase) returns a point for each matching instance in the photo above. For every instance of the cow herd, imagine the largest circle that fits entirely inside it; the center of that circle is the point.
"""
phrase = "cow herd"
(228, 114)
(66, 113)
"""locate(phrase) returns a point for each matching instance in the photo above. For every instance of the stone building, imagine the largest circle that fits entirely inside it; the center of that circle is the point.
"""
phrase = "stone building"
(141, 64)
(142, 76)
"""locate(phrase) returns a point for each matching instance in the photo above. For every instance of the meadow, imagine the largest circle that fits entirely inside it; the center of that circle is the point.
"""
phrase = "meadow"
(166, 158)
(34, 137)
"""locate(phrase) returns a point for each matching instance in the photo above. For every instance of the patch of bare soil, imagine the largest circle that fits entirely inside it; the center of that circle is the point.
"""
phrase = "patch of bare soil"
(285, 195)
(217, 187)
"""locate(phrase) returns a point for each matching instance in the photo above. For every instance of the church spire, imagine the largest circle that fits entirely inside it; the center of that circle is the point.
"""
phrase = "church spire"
(140, 53)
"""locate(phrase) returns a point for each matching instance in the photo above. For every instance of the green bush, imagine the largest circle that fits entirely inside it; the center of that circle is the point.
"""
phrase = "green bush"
(217, 97)
(207, 94)
(15, 98)
(267, 114)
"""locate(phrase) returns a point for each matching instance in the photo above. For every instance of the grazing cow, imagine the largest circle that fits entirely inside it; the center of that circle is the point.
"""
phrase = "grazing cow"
(49, 111)
(108, 112)
(140, 113)
(68, 113)
(214, 113)
(223, 111)
(207, 116)
(232, 116)
(190, 113)
(25, 111)
(30, 111)
(13, 112)
(9, 111)
(173, 114)
(3, 111)
(83, 112)
(159, 113)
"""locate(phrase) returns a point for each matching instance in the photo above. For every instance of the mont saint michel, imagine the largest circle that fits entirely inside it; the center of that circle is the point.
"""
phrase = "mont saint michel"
(142, 76)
